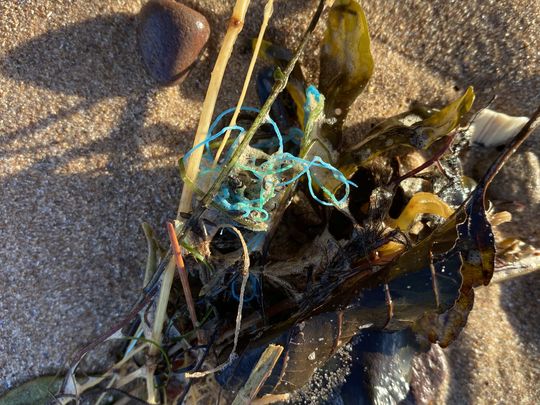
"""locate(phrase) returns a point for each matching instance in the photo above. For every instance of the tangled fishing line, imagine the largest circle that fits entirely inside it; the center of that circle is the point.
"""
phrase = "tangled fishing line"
(260, 176)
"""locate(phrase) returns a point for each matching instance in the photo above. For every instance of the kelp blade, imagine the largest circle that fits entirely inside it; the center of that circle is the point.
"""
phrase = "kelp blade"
(390, 137)
(444, 121)
(346, 61)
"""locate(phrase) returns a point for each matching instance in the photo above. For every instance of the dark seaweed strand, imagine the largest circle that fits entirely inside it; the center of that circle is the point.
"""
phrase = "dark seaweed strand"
(510, 149)
(484, 183)
(434, 282)
(433, 159)
(279, 85)
(133, 399)
(200, 361)
(389, 304)
(339, 331)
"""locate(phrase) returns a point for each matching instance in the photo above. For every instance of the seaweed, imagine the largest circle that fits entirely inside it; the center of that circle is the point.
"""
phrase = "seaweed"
(346, 63)
(289, 245)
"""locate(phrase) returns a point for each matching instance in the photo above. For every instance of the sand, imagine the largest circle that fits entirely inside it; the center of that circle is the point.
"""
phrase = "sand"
(88, 146)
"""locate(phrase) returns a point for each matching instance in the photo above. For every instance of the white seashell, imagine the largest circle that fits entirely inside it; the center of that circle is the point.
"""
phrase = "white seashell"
(492, 128)
(410, 119)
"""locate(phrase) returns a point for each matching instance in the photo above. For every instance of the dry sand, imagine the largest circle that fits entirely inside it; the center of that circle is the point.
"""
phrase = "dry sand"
(88, 147)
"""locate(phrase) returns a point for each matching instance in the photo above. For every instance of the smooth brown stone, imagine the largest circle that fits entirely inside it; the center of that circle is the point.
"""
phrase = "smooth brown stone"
(171, 37)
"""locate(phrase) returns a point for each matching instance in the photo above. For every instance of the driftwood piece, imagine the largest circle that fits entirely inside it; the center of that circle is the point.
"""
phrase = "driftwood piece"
(258, 376)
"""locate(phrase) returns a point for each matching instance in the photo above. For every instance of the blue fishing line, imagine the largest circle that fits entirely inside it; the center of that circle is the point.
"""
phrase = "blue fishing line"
(134, 342)
(253, 283)
(211, 138)
(310, 91)
(252, 109)
(294, 135)
(266, 181)
(318, 162)
(227, 112)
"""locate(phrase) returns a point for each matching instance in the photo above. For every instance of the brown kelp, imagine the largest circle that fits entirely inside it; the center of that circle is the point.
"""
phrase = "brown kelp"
(296, 245)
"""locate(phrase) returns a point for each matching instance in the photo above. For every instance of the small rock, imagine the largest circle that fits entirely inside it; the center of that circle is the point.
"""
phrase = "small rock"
(429, 377)
(171, 36)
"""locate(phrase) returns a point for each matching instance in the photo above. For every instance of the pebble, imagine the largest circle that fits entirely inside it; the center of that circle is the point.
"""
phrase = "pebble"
(170, 36)
(430, 377)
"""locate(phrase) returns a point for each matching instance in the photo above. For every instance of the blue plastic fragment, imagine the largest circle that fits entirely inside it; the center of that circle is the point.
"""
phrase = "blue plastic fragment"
(252, 290)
